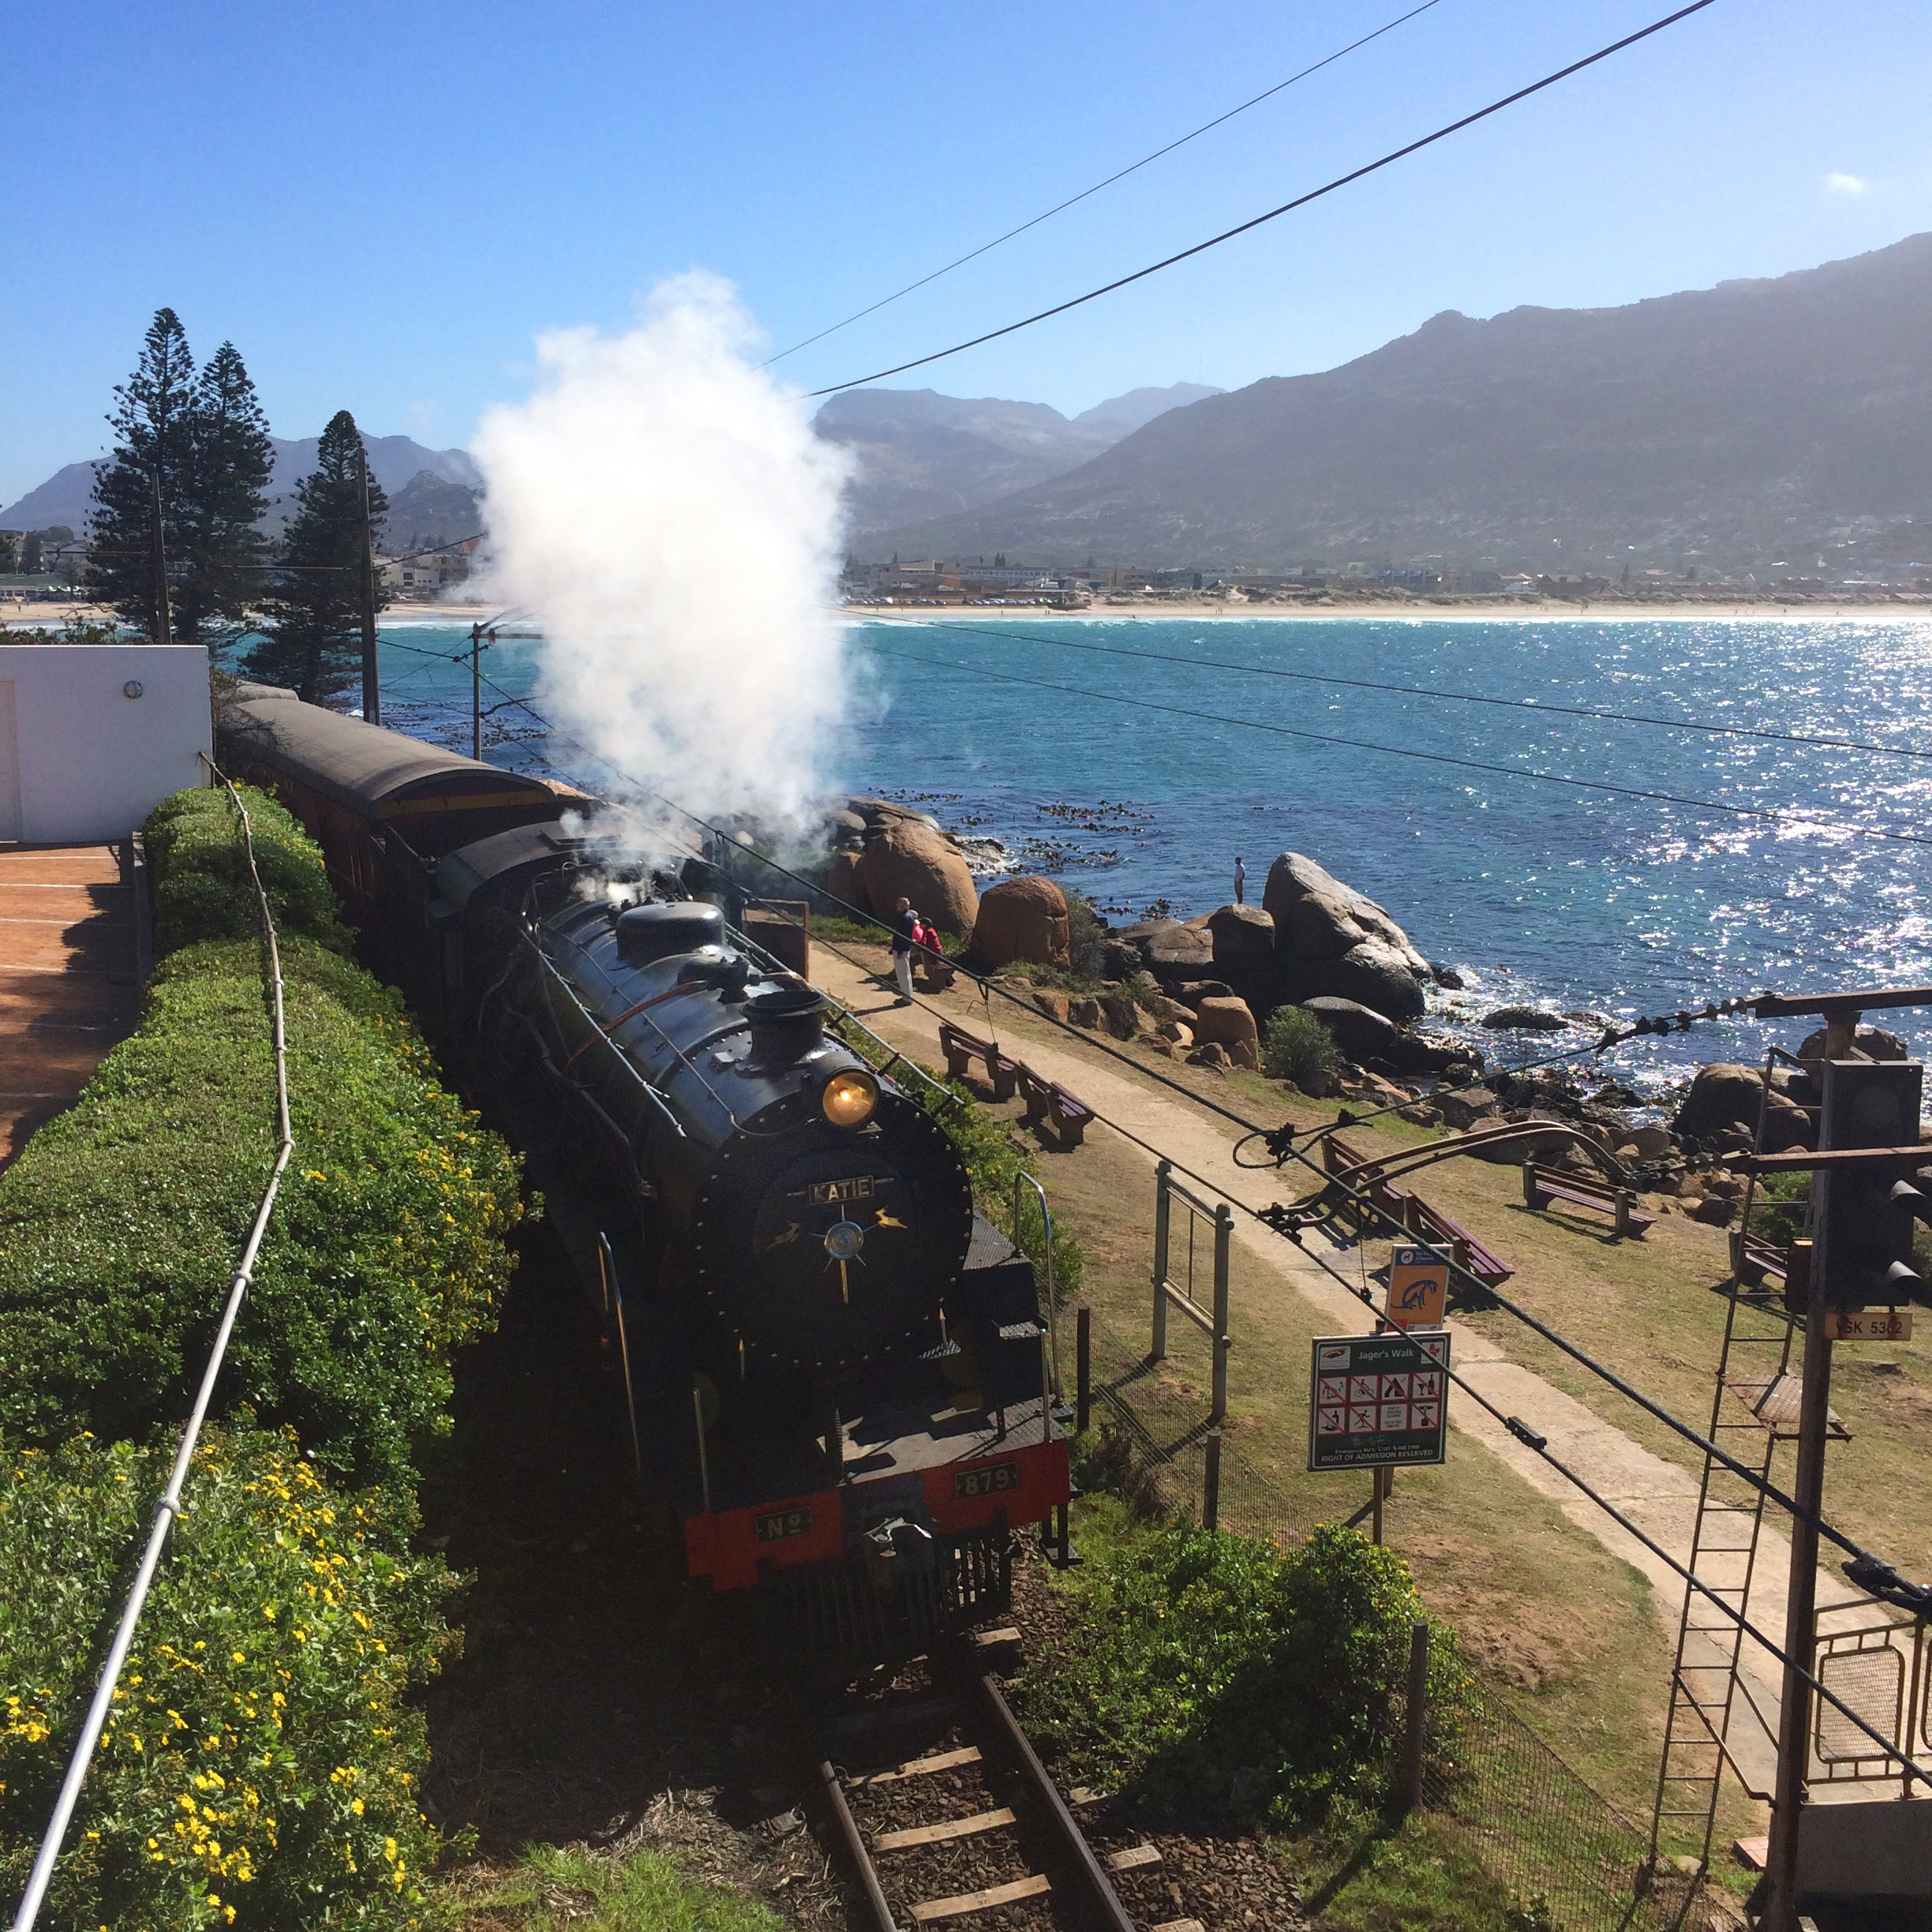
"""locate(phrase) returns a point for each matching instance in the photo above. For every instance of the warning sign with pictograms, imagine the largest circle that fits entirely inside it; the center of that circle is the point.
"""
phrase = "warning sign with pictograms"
(1379, 1401)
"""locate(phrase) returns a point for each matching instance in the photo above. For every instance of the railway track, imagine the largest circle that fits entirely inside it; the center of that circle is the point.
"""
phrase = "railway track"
(947, 1817)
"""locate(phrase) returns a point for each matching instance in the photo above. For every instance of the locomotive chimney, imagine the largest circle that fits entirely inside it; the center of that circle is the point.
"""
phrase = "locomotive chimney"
(787, 1023)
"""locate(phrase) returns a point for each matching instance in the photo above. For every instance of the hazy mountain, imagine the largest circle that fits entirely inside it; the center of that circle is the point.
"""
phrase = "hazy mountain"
(1123, 414)
(66, 496)
(924, 455)
(1740, 421)
(428, 512)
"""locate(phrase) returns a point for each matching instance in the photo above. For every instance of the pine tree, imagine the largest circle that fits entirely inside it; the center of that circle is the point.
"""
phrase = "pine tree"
(153, 422)
(218, 574)
(315, 613)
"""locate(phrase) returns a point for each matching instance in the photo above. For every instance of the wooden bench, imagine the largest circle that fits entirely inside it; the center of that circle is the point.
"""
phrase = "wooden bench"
(1362, 1172)
(1432, 1225)
(1541, 1185)
(963, 1049)
(1047, 1100)
(1755, 1262)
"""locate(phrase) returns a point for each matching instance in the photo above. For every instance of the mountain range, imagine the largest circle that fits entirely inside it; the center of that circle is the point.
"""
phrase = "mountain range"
(1743, 423)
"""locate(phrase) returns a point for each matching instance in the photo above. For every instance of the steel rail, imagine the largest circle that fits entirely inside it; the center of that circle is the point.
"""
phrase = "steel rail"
(170, 1504)
(1073, 1840)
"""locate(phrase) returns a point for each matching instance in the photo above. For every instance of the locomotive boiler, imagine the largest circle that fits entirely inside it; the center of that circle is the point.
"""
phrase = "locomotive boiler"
(836, 1369)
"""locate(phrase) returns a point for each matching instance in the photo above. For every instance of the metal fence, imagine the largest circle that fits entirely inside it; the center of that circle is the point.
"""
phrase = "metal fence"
(1566, 1858)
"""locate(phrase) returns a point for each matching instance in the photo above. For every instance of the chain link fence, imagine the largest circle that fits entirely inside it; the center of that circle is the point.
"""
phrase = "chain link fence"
(1567, 1858)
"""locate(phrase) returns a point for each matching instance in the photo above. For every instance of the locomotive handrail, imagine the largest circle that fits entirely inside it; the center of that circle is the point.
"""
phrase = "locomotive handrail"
(1023, 1179)
(607, 1028)
(656, 1099)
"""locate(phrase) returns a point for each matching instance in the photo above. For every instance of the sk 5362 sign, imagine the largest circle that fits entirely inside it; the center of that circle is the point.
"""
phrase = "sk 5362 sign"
(1379, 1401)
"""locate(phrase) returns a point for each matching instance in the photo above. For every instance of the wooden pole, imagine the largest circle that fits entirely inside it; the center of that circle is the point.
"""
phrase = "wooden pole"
(163, 616)
(1415, 1722)
(1082, 1368)
(372, 684)
(476, 691)
(1800, 1631)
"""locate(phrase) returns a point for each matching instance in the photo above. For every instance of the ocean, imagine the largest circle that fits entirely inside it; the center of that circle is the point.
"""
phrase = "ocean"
(1122, 765)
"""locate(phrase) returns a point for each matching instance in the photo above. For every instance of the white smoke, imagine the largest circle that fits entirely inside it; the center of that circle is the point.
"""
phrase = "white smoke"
(662, 511)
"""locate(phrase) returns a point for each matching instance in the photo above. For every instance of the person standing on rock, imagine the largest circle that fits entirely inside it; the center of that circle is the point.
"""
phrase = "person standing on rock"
(1241, 881)
(905, 927)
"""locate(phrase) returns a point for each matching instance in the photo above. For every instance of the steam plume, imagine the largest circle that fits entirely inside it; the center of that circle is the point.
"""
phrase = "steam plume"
(664, 513)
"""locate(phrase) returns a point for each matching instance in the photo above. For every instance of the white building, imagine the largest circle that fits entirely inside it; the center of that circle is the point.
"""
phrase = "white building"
(93, 736)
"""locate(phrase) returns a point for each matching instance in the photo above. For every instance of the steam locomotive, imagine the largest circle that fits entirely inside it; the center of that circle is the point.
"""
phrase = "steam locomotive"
(835, 1371)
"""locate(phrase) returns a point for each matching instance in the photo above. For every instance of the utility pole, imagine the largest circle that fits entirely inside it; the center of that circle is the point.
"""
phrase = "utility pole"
(476, 691)
(163, 618)
(1861, 1223)
(372, 684)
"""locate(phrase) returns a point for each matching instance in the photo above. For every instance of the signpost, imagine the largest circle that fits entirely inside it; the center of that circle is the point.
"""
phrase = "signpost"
(1380, 1401)
(1418, 1289)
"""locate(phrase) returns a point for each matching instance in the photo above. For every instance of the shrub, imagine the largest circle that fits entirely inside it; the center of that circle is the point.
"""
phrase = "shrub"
(259, 1769)
(121, 1222)
(1195, 1654)
(198, 873)
(1087, 937)
(1296, 1046)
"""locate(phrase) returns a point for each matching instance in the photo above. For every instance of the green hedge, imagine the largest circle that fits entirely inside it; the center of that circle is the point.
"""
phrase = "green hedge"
(198, 873)
(121, 1222)
(259, 1766)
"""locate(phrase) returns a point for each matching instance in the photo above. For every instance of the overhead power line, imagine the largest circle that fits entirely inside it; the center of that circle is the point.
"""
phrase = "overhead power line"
(1314, 194)
(1065, 642)
(1798, 819)
(1060, 207)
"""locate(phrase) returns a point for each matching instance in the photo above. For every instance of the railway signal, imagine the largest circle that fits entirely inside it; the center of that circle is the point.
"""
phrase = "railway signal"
(1865, 1215)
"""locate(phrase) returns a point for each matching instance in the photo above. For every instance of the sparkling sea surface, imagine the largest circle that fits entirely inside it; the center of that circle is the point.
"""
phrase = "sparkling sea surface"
(1537, 893)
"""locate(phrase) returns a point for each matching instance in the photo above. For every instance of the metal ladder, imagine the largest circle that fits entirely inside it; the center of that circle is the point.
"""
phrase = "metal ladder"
(1753, 1389)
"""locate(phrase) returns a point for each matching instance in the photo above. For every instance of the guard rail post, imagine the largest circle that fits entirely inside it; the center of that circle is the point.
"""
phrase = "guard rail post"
(1163, 1180)
(1415, 1722)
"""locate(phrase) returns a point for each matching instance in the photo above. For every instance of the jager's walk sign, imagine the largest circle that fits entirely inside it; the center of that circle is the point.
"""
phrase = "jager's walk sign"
(1380, 1401)
(1418, 1289)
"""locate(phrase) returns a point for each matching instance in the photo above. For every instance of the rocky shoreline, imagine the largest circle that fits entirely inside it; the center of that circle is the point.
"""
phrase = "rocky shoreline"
(1203, 990)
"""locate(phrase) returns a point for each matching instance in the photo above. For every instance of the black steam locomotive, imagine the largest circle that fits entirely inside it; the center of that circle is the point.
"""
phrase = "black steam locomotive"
(835, 1371)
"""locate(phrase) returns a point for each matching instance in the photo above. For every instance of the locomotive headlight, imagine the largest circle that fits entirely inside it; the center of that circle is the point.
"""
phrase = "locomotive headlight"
(848, 1098)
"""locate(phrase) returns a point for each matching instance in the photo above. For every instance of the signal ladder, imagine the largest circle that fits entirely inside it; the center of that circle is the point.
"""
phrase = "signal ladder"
(1754, 1407)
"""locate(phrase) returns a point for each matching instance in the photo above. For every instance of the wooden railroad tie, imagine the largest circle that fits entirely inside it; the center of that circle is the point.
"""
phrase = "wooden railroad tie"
(883, 1715)
(920, 1767)
(981, 1901)
(1134, 1857)
(946, 1829)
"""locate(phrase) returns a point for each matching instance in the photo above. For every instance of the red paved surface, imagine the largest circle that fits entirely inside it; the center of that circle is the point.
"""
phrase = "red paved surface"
(70, 976)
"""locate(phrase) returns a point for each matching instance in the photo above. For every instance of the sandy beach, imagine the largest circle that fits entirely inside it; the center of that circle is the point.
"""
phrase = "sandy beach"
(52, 614)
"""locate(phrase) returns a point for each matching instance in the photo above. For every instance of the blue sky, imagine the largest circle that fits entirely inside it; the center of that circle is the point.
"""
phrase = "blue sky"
(382, 205)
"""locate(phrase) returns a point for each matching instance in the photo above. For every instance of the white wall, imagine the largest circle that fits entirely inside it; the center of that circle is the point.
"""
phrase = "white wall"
(80, 760)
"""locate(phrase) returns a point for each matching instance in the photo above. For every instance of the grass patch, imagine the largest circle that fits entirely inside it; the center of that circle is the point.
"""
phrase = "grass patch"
(554, 1887)
(1375, 1879)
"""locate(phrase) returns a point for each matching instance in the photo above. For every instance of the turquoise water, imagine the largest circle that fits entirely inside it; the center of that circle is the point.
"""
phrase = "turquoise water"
(1569, 898)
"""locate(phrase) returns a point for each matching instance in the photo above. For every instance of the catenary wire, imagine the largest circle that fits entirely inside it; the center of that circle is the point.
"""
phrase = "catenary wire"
(1205, 127)
(1341, 181)
(1404, 691)
(1809, 820)
(170, 1504)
